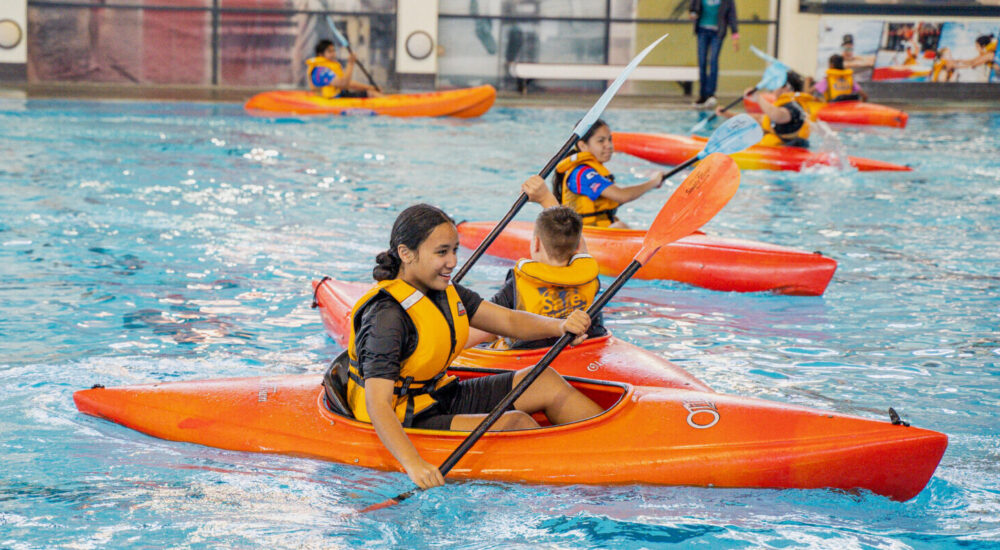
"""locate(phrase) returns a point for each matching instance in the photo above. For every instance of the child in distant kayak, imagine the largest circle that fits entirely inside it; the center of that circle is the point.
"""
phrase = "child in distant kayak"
(407, 330)
(560, 276)
(838, 83)
(786, 120)
(583, 183)
(330, 79)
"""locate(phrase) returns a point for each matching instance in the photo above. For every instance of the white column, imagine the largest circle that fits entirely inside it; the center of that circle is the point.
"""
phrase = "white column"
(14, 31)
(416, 37)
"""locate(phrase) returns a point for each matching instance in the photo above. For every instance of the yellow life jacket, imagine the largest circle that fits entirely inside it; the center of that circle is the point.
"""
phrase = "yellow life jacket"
(438, 343)
(553, 290)
(798, 127)
(936, 70)
(839, 82)
(319, 61)
(600, 212)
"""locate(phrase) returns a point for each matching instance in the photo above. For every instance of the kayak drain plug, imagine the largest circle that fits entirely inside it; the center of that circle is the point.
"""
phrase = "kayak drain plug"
(895, 419)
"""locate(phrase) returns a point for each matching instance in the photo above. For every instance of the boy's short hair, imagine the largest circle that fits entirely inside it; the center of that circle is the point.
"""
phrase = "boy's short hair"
(559, 228)
(837, 62)
(322, 45)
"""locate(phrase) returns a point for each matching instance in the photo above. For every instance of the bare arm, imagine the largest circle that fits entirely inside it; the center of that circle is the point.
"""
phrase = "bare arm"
(628, 194)
(528, 326)
(537, 191)
(778, 115)
(379, 401)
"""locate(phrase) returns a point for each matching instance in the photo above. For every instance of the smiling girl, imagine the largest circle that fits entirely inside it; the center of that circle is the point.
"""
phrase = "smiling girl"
(407, 330)
(583, 183)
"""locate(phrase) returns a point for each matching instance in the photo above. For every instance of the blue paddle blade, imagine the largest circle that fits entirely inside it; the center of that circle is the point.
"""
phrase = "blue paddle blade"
(776, 73)
(733, 136)
(340, 37)
(774, 77)
(595, 112)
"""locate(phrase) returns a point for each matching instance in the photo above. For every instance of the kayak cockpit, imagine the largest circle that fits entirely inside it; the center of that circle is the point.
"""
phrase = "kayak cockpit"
(606, 394)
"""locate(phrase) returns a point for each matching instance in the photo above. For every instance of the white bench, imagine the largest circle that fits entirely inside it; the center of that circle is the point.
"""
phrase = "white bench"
(557, 71)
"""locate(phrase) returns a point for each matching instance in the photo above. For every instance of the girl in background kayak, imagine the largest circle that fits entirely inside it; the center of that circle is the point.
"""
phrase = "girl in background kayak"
(407, 330)
(786, 121)
(330, 79)
(583, 183)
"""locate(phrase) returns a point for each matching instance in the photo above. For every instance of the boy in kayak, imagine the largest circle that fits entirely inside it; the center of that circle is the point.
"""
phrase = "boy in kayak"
(786, 121)
(559, 277)
(407, 330)
(583, 183)
(328, 78)
(838, 84)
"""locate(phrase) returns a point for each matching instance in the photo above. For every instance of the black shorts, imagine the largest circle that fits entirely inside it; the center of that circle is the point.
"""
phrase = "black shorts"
(470, 396)
(353, 93)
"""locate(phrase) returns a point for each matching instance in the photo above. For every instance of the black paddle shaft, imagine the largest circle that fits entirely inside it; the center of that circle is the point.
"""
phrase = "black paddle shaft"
(532, 375)
(364, 70)
(680, 167)
(521, 200)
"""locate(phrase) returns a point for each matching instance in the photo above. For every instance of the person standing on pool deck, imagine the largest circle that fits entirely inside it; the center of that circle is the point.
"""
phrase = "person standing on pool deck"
(583, 183)
(712, 19)
(330, 79)
(407, 330)
(558, 278)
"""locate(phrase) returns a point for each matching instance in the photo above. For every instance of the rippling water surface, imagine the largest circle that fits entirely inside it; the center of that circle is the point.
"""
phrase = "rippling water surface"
(146, 242)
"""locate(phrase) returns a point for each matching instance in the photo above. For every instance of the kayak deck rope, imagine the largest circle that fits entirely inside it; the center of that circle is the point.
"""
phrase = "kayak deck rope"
(315, 303)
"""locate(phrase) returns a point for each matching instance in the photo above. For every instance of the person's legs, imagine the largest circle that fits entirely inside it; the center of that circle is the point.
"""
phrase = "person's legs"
(551, 393)
(704, 38)
(714, 46)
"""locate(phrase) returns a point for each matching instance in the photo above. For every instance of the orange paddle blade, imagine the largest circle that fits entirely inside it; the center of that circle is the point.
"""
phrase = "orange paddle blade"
(704, 192)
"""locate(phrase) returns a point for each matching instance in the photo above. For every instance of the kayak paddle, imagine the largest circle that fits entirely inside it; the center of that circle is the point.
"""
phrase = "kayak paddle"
(773, 78)
(345, 44)
(733, 136)
(704, 192)
(581, 128)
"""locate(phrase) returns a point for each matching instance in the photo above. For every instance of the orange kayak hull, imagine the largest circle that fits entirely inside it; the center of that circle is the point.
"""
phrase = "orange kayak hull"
(860, 113)
(732, 265)
(673, 150)
(461, 103)
(606, 358)
(648, 435)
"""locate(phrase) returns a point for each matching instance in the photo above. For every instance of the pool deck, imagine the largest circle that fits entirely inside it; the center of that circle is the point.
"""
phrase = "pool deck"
(504, 98)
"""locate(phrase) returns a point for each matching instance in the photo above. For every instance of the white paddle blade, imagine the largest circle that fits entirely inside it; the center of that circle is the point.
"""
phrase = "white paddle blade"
(595, 112)
(340, 37)
(733, 136)
(700, 126)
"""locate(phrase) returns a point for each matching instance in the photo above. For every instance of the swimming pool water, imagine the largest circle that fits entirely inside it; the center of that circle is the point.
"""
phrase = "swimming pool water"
(143, 242)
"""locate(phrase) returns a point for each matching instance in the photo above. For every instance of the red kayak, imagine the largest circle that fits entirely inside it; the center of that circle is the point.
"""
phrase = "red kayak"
(715, 263)
(605, 358)
(647, 435)
(847, 112)
(673, 150)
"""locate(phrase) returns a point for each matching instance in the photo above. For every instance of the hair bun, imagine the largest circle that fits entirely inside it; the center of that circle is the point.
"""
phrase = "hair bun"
(386, 266)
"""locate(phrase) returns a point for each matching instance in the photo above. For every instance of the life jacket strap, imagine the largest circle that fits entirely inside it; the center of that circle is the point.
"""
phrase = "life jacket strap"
(611, 213)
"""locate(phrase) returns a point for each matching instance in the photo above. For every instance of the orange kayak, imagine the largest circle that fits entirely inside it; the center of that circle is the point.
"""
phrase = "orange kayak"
(673, 150)
(605, 358)
(647, 435)
(462, 103)
(847, 112)
(733, 265)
